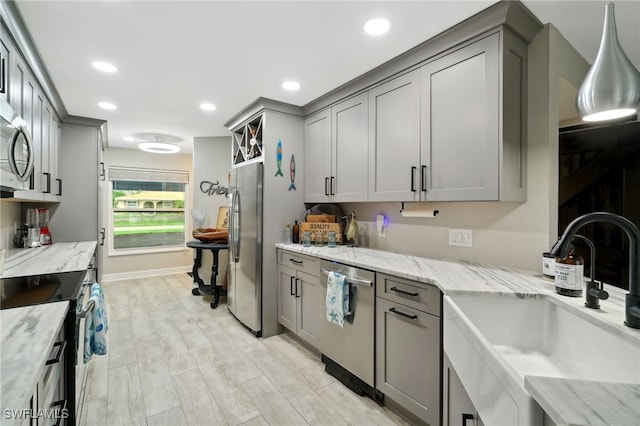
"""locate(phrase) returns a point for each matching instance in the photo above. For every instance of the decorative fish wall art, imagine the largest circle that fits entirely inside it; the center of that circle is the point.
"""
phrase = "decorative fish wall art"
(279, 158)
(292, 173)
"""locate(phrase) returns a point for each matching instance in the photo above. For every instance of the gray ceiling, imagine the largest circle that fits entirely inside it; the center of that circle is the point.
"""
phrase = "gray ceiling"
(173, 55)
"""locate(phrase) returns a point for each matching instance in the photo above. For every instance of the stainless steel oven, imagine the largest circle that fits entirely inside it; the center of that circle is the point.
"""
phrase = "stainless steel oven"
(16, 150)
(348, 351)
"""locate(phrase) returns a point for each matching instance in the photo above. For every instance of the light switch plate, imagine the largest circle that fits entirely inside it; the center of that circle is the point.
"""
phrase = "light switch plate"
(460, 237)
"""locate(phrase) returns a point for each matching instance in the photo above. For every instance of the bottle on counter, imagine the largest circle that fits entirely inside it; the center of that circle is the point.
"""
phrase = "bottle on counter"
(296, 233)
(306, 239)
(569, 274)
(287, 234)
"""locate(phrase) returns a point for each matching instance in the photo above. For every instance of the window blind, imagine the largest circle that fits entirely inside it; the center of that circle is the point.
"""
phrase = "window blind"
(147, 175)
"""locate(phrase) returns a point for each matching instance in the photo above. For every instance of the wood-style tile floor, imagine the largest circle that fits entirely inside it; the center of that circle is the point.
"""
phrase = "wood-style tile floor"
(172, 360)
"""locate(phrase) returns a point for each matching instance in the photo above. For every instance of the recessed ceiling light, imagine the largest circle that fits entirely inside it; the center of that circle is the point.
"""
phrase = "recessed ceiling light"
(159, 147)
(376, 26)
(291, 85)
(129, 139)
(104, 66)
(207, 107)
(107, 105)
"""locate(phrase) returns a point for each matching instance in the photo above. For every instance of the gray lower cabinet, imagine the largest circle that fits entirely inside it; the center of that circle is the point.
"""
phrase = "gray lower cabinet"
(300, 296)
(48, 402)
(457, 408)
(408, 349)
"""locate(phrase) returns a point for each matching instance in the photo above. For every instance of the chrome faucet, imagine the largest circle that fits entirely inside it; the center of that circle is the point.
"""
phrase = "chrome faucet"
(632, 299)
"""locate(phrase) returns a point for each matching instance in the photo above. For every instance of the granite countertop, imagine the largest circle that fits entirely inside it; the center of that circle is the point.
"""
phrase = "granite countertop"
(27, 335)
(456, 277)
(55, 258)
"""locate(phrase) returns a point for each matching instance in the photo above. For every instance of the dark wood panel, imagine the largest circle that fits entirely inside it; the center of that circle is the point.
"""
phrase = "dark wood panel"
(599, 170)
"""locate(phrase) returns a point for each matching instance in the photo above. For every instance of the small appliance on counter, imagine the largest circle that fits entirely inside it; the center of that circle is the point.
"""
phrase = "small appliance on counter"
(33, 229)
(43, 221)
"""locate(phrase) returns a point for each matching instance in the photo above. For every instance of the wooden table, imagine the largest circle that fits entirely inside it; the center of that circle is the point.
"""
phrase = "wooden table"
(197, 263)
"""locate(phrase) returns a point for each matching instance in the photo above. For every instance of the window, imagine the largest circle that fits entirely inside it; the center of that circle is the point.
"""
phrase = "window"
(147, 210)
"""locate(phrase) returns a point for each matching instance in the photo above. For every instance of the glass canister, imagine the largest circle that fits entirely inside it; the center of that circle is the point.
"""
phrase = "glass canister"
(318, 238)
(331, 239)
(306, 239)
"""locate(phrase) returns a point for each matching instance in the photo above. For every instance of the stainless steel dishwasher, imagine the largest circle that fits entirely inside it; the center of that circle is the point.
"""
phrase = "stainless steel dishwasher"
(348, 352)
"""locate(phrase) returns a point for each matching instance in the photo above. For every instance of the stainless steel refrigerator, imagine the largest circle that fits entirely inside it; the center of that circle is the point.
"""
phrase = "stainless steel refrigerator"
(244, 289)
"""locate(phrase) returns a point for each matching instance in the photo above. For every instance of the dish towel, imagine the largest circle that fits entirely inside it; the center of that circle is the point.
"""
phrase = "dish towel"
(337, 302)
(96, 326)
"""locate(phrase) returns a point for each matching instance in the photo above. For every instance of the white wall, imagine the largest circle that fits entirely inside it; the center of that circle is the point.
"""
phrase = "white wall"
(508, 234)
(9, 216)
(139, 265)
(211, 162)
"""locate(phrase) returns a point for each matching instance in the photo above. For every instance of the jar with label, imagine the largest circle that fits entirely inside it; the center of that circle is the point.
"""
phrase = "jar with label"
(331, 239)
(569, 280)
(548, 265)
(306, 239)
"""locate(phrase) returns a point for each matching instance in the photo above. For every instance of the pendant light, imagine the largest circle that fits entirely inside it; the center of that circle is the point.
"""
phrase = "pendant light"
(611, 88)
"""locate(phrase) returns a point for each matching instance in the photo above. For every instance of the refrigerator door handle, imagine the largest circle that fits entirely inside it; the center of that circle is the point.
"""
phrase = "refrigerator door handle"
(235, 226)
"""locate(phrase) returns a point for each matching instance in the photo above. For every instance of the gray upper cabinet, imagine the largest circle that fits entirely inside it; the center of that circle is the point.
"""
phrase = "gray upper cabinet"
(348, 180)
(460, 124)
(336, 153)
(317, 137)
(470, 152)
(394, 139)
(4, 67)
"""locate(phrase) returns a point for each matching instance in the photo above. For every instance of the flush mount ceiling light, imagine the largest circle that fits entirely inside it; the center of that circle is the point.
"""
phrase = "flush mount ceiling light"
(207, 107)
(107, 105)
(159, 147)
(611, 88)
(104, 66)
(291, 85)
(376, 26)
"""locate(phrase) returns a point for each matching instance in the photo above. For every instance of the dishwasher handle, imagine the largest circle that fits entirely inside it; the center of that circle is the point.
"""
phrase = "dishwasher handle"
(351, 280)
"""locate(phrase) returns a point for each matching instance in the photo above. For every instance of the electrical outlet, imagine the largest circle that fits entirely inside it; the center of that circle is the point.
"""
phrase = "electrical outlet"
(460, 237)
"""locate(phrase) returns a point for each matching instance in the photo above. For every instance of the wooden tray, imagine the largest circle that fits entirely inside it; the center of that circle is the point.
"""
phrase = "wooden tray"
(211, 235)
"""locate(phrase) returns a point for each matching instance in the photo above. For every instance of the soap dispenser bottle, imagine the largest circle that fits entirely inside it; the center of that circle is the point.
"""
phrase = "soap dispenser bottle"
(287, 234)
(569, 274)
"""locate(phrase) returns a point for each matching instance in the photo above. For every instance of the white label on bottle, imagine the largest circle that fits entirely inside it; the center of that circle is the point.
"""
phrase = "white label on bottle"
(569, 277)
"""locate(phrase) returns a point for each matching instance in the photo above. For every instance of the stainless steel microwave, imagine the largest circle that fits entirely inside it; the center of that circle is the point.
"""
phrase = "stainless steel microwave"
(16, 150)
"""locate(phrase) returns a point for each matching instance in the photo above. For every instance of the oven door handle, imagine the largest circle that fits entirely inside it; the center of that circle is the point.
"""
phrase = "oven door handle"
(351, 280)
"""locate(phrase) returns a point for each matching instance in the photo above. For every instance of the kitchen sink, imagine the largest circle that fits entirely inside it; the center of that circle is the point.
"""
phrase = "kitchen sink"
(494, 341)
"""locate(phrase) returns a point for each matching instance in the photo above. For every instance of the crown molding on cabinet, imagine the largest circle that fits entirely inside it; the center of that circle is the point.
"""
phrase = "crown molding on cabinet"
(13, 22)
(505, 14)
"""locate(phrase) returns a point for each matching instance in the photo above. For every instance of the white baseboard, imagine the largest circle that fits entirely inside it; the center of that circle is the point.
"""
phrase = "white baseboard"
(146, 273)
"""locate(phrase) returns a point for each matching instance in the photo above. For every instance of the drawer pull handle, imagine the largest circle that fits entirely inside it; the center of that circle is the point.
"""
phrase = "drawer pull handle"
(466, 417)
(397, 290)
(299, 262)
(402, 314)
(60, 414)
(56, 359)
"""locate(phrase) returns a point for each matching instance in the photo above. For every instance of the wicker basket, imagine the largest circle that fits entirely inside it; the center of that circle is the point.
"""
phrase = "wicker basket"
(211, 235)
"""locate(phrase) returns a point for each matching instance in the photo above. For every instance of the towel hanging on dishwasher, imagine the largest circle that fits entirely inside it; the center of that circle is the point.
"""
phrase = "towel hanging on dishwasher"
(96, 326)
(337, 302)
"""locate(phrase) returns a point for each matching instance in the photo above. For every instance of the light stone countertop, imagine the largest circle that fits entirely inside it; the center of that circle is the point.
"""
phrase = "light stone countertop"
(27, 335)
(571, 402)
(453, 276)
(55, 258)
